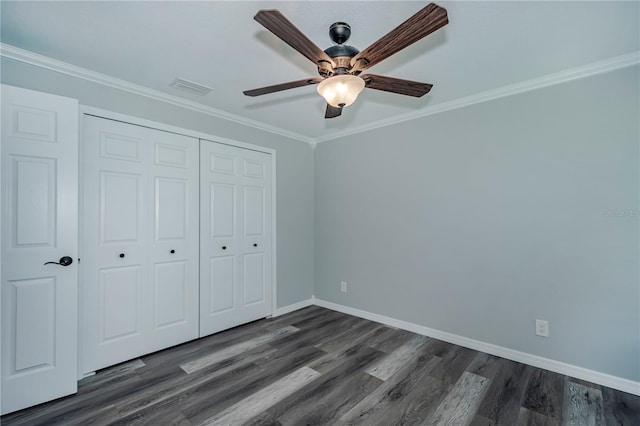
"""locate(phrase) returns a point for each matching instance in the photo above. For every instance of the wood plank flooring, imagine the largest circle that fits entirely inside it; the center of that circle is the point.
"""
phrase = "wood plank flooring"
(315, 367)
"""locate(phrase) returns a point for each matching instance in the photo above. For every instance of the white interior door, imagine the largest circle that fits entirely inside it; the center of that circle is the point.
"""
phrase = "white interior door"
(140, 235)
(235, 240)
(39, 225)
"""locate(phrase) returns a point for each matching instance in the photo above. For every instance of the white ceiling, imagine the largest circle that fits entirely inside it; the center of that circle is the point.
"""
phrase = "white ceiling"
(487, 45)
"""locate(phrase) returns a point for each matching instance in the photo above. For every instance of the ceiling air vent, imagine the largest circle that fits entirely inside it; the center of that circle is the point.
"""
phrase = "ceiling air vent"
(191, 87)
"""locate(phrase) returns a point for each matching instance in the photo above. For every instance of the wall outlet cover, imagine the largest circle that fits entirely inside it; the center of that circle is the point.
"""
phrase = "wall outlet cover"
(542, 328)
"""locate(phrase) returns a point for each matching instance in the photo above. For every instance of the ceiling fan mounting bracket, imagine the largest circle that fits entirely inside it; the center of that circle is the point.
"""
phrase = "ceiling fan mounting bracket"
(339, 32)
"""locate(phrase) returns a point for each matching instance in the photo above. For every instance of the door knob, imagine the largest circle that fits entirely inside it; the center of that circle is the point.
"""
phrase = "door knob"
(255, 245)
(64, 261)
(121, 255)
(224, 247)
(172, 251)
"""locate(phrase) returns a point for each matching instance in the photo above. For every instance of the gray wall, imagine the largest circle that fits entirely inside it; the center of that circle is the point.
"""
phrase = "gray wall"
(480, 220)
(294, 171)
(473, 222)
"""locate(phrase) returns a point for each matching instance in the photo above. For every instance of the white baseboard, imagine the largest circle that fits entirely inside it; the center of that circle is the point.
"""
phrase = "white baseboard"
(294, 307)
(592, 376)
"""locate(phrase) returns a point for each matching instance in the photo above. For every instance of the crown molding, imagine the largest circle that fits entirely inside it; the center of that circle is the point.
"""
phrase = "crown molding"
(35, 59)
(588, 70)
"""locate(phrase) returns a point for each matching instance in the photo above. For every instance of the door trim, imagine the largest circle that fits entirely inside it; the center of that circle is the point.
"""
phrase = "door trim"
(110, 115)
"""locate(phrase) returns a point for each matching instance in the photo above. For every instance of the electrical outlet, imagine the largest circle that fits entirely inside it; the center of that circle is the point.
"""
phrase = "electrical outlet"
(542, 328)
(343, 286)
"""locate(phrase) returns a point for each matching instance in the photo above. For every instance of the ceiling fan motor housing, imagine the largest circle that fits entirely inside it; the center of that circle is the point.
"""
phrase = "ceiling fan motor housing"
(341, 50)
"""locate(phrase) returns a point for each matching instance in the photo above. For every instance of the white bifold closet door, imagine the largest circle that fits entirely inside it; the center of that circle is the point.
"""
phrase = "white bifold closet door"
(39, 225)
(139, 288)
(236, 236)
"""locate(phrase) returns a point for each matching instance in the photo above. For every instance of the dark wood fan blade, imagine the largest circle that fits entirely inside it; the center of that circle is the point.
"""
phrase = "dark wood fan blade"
(332, 112)
(280, 87)
(396, 85)
(420, 25)
(275, 22)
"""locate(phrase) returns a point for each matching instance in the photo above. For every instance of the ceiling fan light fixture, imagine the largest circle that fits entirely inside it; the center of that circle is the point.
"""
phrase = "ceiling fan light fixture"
(341, 90)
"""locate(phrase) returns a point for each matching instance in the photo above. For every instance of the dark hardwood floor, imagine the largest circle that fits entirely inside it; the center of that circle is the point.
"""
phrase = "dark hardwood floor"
(317, 366)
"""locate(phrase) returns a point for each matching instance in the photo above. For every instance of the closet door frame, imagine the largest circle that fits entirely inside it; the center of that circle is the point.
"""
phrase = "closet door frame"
(98, 112)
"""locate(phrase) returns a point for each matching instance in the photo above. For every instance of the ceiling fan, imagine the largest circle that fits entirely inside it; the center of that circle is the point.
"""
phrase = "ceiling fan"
(340, 66)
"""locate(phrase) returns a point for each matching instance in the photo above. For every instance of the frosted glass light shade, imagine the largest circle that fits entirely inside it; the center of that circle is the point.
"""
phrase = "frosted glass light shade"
(341, 90)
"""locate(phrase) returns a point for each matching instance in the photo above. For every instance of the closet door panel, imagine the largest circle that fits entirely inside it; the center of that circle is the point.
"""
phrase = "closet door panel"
(119, 310)
(168, 154)
(118, 145)
(223, 277)
(220, 272)
(254, 213)
(253, 274)
(220, 163)
(171, 209)
(256, 232)
(114, 239)
(120, 252)
(173, 249)
(235, 283)
(140, 233)
(223, 211)
(221, 284)
(121, 207)
(170, 294)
